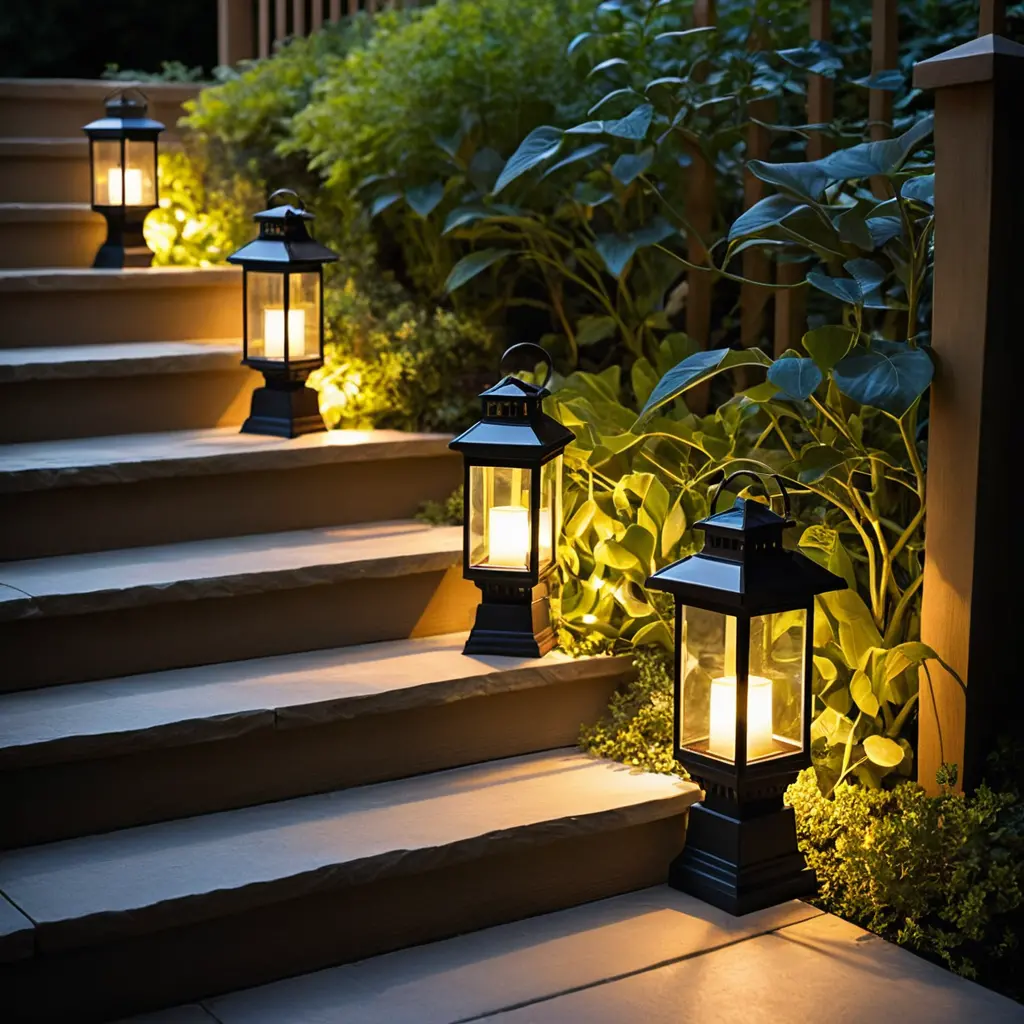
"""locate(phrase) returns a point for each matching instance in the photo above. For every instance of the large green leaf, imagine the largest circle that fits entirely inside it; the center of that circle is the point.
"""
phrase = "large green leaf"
(921, 189)
(424, 199)
(862, 693)
(685, 33)
(795, 378)
(827, 345)
(699, 367)
(891, 80)
(871, 158)
(592, 329)
(763, 214)
(845, 289)
(618, 250)
(818, 57)
(633, 126)
(540, 145)
(890, 376)
(817, 461)
(882, 751)
(583, 153)
(469, 266)
(804, 178)
(630, 166)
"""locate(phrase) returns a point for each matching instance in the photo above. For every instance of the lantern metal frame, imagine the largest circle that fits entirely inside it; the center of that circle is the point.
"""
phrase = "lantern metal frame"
(284, 406)
(514, 432)
(741, 849)
(125, 121)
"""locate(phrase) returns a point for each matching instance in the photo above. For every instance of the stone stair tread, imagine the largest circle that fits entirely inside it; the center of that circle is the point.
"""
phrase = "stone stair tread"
(29, 145)
(161, 709)
(154, 877)
(19, 212)
(223, 567)
(57, 279)
(86, 461)
(506, 966)
(125, 359)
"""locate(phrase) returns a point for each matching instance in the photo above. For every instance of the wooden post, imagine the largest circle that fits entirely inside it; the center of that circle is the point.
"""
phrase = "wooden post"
(280, 20)
(298, 17)
(263, 28)
(235, 40)
(884, 57)
(756, 263)
(971, 597)
(791, 303)
(992, 17)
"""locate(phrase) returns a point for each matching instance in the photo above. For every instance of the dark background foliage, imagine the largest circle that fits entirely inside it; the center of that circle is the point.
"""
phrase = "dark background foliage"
(78, 39)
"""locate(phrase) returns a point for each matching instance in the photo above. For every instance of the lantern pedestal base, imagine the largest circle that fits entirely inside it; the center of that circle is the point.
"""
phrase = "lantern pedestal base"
(742, 864)
(284, 409)
(513, 621)
(125, 245)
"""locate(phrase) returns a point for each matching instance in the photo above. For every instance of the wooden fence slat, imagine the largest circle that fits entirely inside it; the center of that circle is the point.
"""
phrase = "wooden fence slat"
(335, 12)
(280, 20)
(298, 17)
(263, 29)
(992, 17)
(756, 263)
(884, 57)
(234, 31)
(316, 15)
(791, 303)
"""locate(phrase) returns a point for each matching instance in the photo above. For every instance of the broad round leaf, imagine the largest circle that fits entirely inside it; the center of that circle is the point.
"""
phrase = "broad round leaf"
(630, 166)
(804, 178)
(633, 126)
(890, 376)
(425, 198)
(766, 213)
(469, 266)
(921, 189)
(845, 289)
(618, 250)
(827, 345)
(882, 751)
(541, 144)
(863, 696)
(795, 378)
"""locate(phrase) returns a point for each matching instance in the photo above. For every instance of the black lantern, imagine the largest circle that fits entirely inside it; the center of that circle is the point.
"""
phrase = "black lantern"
(123, 173)
(744, 633)
(513, 504)
(283, 321)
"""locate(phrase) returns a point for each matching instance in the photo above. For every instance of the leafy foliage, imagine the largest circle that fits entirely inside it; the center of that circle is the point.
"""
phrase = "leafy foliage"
(450, 512)
(942, 875)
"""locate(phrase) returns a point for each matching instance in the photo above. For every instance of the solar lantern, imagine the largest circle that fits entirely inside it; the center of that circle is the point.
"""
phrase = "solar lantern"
(123, 176)
(282, 317)
(743, 662)
(513, 503)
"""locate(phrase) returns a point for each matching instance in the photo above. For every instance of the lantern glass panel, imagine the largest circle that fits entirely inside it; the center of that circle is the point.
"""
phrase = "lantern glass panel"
(777, 653)
(140, 172)
(304, 315)
(550, 513)
(499, 518)
(107, 180)
(707, 705)
(265, 315)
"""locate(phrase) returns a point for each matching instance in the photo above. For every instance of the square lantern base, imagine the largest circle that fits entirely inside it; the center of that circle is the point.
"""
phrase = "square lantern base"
(742, 864)
(284, 409)
(125, 245)
(513, 621)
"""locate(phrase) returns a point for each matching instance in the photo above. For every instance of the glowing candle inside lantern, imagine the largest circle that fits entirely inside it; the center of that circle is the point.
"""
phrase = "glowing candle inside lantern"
(722, 735)
(132, 187)
(508, 540)
(546, 538)
(273, 333)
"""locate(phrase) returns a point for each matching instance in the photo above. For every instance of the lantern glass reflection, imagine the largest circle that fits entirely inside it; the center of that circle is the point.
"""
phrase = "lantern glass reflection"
(274, 334)
(134, 183)
(710, 674)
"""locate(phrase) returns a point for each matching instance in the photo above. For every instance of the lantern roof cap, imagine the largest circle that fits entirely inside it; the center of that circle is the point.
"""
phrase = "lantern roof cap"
(284, 212)
(284, 240)
(746, 514)
(512, 387)
(125, 110)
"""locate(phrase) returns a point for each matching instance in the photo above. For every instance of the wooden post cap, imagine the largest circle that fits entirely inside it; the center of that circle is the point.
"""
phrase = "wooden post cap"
(980, 60)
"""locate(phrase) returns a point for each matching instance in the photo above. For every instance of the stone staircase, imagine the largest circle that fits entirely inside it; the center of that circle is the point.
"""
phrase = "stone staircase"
(238, 738)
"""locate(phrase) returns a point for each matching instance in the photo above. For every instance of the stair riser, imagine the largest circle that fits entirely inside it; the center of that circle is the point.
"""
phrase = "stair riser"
(48, 650)
(100, 316)
(49, 410)
(184, 964)
(51, 243)
(272, 763)
(71, 520)
(41, 110)
(41, 178)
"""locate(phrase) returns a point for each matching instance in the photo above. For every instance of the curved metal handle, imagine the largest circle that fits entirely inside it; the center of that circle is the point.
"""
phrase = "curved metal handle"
(299, 204)
(542, 352)
(753, 476)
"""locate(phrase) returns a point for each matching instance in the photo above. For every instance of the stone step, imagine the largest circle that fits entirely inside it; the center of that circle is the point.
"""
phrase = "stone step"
(44, 170)
(49, 234)
(94, 616)
(522, 963)
(655, 955)
(172, 744)
(78, 306)
(58, 107)
(95, 390)
(165, 913)
(92, 494)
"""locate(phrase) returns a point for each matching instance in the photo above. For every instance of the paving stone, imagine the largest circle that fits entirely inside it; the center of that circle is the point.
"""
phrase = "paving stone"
(462, 978)
(102, 581)
(822, 969)
(161, 876)
(119, 716)
(89, 461)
